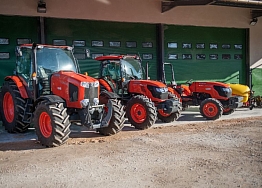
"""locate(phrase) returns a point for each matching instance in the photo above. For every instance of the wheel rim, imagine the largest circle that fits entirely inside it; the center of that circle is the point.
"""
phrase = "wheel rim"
(210, 110)
(138, 113)
(9, 108)
(45, 124)
(162, 113)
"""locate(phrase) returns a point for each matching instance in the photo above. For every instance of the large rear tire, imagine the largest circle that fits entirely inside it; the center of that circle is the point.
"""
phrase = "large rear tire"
(211, 109)
(141, 112)
(51, 123)
(12, 108)
(118, 116)
(228, 111)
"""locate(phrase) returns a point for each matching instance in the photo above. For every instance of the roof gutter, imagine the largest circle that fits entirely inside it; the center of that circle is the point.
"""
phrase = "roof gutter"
(169, 4)
(239, 3)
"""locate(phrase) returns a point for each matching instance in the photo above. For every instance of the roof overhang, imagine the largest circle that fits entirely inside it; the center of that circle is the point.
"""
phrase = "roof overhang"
(169, 4)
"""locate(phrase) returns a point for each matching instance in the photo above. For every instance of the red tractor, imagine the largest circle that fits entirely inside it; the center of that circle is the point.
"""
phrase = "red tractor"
(48, 91)
(214, 98)
(145, 100)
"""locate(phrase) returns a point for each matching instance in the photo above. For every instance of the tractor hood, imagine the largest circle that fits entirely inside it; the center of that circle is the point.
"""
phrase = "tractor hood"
(153, 89)
(148, 82)
(207, 84)
(74, 88)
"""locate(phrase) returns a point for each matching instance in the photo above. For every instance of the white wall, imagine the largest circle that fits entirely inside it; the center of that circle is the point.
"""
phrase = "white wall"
(146, 11)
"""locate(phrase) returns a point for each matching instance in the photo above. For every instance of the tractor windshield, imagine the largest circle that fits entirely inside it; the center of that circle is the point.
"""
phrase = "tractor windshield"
(131, 69)
(55, 59)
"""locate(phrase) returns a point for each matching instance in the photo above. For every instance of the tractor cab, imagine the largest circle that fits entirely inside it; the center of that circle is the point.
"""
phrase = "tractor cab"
(117, 71)
(40, 65)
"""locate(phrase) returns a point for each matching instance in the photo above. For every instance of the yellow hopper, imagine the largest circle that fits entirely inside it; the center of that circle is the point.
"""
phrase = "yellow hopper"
(240, 90)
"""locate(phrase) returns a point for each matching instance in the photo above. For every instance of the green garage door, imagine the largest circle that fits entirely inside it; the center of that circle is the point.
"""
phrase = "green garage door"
(257, 81)
(206, 53)
(14, 30)
(104, 38)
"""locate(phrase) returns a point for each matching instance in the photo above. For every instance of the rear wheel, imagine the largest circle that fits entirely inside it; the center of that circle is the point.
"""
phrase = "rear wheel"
(118, 116)
(211, 109)
(228, 111)
(12, 108)
(141, 112)
(51, 123)
(167, 118)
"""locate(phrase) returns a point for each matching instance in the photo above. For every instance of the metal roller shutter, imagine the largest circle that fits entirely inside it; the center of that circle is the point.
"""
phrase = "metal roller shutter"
(14, 30)
(206, 53)
(104, 38)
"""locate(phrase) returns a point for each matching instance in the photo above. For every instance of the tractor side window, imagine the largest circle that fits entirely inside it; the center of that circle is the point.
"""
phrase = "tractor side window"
(112, 70)
(131, 69)
(23, 64)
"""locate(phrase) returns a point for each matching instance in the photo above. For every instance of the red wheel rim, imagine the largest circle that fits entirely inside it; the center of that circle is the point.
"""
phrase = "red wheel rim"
(210, 109)
(45, 124)
(162, 113)
(138, 113)
(9, 108)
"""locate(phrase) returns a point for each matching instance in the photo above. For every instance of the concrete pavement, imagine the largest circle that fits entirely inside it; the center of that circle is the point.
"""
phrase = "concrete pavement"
(191, 115)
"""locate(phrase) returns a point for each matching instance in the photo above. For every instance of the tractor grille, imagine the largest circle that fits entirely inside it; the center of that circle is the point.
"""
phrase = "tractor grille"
(91, 93)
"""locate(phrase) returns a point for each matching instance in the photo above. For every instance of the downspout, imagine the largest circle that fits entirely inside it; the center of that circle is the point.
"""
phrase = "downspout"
(160, 50)
(42, 29)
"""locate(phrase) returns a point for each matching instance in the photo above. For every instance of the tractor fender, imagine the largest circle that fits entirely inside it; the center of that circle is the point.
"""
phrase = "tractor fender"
(110, 95)
(19, 85)
(51, 98)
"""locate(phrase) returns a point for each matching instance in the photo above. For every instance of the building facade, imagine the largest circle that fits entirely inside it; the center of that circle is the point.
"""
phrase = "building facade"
(204, 42)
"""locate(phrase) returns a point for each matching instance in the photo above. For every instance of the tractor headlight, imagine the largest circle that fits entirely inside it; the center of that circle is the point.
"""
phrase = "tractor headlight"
(89, 84)
(161, 89)
(96, 101)
(226, 89)
(84, 102)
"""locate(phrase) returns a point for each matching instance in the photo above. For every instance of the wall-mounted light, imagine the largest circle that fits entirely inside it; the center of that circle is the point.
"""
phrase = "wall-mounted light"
(253, 21)
(41, 7)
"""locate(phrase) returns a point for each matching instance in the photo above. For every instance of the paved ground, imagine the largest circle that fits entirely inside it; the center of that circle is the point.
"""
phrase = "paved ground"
(191, 115)
(189, 153)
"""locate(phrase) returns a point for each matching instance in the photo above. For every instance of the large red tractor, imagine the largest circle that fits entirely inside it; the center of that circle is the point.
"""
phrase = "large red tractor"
(145, 100)
(214, 98)
(48, 91)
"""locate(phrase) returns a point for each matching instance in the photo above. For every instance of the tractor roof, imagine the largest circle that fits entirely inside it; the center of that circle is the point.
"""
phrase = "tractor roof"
(45, 45)
(114, 57)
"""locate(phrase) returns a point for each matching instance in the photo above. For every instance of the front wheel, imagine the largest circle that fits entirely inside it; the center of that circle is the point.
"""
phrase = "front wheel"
(228, 111)
(51, 123)
(118, 116)
(141, 112)
(211, 109)
(167, 118)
